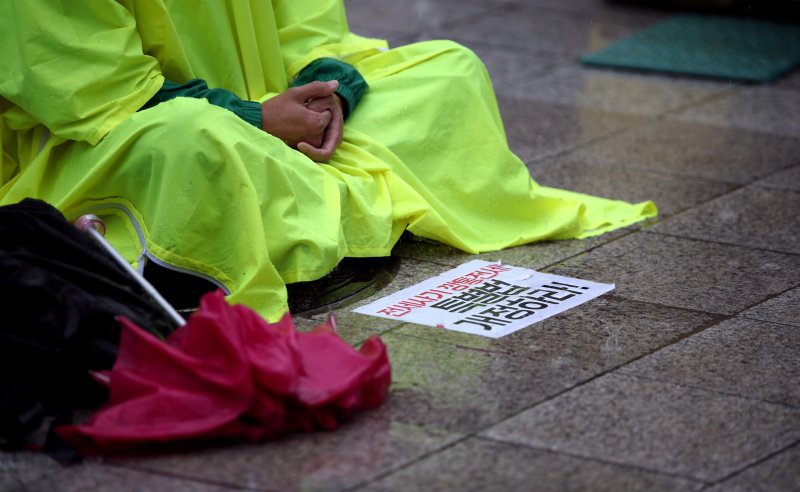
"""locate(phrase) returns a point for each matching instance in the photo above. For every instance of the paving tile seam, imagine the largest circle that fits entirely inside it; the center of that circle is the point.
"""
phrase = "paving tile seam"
(714, 321)
(626, 17)
(725, 89)
(794, 410)
(649, 120)
(498, 46)
(610, 461)
(717, 319)
(773, 296)
(629, 373)
(664, 217)
(545, 67)
(595, 459)
(722, 243)
(490, 11)
(564, 57)
(576, 11)
(774, 187)
(723, 316)
(390, 33)
(462, 346)
(753, 465)
(467, 257)
(578, 383)
(763, 320)
(569, 11)
(776, 172)
(634, 229)
(777, 187)
(626, 165)
(732, 89)
(758, 303)
(169, 474)
(408, 464)
(570, 148)
(582, 382)
(734, 188)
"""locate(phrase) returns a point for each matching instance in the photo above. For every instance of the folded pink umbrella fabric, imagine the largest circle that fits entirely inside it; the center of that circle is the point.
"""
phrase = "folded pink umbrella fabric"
(229, 374)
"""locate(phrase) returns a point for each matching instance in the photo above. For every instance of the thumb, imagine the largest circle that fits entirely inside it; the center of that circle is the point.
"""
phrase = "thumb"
(316, 89)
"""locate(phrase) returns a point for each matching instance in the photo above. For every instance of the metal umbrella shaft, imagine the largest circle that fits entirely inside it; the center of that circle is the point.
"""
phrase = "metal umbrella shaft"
(92, 225)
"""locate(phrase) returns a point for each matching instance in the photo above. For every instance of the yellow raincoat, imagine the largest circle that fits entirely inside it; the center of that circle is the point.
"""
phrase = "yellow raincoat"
(192, 186)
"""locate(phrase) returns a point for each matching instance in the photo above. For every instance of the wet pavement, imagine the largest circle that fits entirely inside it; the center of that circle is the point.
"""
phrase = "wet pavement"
(686, 377)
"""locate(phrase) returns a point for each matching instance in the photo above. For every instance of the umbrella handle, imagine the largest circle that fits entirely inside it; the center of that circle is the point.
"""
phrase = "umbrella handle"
(95, 227)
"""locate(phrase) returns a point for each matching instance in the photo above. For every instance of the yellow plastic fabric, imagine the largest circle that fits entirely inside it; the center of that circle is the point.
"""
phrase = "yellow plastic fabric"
(191, 185)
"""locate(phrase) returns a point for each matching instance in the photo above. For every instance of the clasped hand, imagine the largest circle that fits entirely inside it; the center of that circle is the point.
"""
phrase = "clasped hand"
(308, 118)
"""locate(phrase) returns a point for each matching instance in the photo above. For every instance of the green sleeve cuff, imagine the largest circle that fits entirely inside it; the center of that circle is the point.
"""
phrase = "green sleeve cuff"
(249, 111)
(351, 84)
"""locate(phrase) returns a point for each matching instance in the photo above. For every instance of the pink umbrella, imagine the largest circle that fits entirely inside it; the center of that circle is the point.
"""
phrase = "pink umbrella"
(228, 373)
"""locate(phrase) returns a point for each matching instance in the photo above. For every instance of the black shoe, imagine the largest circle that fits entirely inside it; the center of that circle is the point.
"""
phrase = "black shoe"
(352, 280)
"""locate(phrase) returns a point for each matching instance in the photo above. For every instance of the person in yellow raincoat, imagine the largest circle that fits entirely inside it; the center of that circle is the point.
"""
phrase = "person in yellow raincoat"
(175, 122)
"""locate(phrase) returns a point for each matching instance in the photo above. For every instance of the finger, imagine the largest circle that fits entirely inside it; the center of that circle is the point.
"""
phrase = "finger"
(315, 142)
(333, 133)
(316, 154)
(326, 116)
(317, 123)
(314, 90)
(330, 142)
(321, 104)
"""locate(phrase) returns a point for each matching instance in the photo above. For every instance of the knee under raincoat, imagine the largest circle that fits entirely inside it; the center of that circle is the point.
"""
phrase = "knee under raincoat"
(190, 185)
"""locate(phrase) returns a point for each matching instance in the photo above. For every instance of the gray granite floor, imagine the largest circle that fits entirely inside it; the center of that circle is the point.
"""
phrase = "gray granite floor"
(686, 377)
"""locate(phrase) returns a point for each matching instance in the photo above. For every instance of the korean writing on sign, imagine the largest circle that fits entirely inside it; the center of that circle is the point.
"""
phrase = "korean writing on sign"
(498, 303)
(405, 306)
(486, 299)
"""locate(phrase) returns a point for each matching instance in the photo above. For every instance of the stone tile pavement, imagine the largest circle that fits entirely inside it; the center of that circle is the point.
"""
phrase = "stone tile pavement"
(686, 377)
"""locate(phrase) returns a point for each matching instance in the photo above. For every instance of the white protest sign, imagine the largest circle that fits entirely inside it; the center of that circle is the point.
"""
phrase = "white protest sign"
(484, 298)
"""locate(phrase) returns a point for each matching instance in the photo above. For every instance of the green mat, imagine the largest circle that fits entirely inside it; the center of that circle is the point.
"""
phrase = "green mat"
(711, 46)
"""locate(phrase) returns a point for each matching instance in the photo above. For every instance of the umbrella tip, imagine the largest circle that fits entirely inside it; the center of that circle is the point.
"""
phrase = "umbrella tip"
(90, 221)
